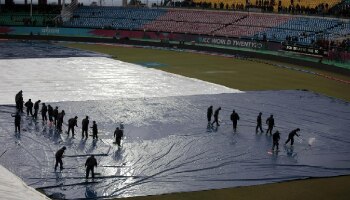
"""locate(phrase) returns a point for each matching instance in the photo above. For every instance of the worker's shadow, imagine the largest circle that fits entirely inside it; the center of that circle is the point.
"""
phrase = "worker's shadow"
(58, 177)
(69, 140)
(51, 132)
(56, 137)
(212, 128)
(82, 144)
(90, 193)
(92, 146)
(94, 142)
(290, 152)
(30, 123)
(118, 154)
(36, 128)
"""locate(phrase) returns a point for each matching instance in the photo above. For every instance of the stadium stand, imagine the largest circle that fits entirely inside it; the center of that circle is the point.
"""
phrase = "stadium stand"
(261, 26)
(340, 29)
(303, 28)
(196, 22)
(18, 15)
(201, 16)
(299, 29)
(341, 9)
(239, 31)
(182, 27)
(252, 25)
(113, 17)
(20, 19)
(224, 2)
(284, 3)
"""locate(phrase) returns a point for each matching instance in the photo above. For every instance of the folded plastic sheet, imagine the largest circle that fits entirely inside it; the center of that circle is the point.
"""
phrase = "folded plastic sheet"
(168, 148)
(12, 187)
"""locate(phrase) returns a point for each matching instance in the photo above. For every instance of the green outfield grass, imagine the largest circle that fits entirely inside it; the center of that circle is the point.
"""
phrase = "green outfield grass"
(244, 75)
(336, 188)
(234, 73)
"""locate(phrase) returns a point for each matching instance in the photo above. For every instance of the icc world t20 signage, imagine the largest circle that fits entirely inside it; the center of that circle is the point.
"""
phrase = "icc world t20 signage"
(231, 42)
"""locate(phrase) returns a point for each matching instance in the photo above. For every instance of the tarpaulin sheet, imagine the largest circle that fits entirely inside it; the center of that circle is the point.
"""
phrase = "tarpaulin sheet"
(168, 147)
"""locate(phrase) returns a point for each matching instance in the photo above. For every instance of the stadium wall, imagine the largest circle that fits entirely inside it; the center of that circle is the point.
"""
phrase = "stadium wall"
(147, 35)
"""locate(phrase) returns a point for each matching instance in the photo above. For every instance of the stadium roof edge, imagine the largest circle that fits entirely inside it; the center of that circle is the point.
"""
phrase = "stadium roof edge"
(256, 13)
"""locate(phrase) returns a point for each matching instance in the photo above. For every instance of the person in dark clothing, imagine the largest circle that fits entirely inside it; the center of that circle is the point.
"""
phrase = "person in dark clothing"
(216, 117)
(18, 95)
(60, 117)
(271, 123)
(43, 112)
(71, 123)
(118, 134)
(29, 105)
(19, 101)
(291, 136)
(90, 164)
(209, 114)
(259, 124)
(94, 130)
(55, 115)
(50, 113)
(59, 156)
(17, 117)
(234, 118)
(275, 139)
(85, 126)
(36, 108)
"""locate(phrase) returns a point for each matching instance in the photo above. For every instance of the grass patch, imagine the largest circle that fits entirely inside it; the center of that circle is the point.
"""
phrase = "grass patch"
(311, 189)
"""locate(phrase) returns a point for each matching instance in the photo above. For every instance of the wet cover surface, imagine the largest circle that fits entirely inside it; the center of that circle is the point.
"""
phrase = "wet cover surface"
(93, 78)
(168, 148)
